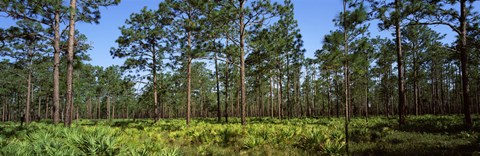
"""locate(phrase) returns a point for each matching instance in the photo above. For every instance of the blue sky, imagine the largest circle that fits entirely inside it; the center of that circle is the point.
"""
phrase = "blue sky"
(314, 19)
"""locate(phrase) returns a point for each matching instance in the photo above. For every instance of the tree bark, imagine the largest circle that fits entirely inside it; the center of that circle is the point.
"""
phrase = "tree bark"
(113, 111)
(189, 62)
(314, 94)
(89, 107)
(271, 98)
(415, 79)
(39, 116)
(242, 61)
(287, 88)
(346, 73)
(56, 64)
(226, 87)
(401, 86)
(279, 96)
(367, 79)
(219, 113)
(98, 108)
(328, 95)
(154, 73)
(70, 54)
(4, 106)
(108, 107)
(29, 88)
(46, 108)
(297, 96)
(464, 63)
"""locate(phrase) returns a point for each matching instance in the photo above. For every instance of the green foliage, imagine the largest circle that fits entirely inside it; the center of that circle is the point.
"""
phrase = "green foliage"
(262, 136)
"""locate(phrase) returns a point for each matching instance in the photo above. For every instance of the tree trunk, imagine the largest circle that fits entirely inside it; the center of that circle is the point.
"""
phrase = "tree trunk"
(29, 88)
(46, 108)
(287, 88)
(314, 94)
(366, 91)
(242, 62)
(113, 111)
(415, 77)
(337, 99)
(4, 106)
(154, 73)
(279, 97)
(89, 108)
(346, 74)
(401, 87)
(297, 96)
(271, 98)
(226, 87)
(219, 113)
(307, 101)
(189, 62)
(98, 108)
(38, 108)
(328, 95)
(56, 64)
(464, 63)
(108, 107)
(70, 51)
(260, 99)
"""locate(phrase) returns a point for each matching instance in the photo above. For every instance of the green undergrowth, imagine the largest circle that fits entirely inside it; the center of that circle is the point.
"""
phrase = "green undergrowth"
(423, 135)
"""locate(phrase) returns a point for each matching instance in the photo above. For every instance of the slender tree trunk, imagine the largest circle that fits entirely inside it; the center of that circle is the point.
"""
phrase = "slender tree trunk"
(89, 107)
(242, 61)
(219, 113)
(237, 110)
(189, 77)
(98, 108)
(337, 99)
(314, 103)
(271, 98)
(328, 95)
(279, 97)
(287, 89)
(401, 87)
(39, 116)
(307, 101)
(46, 107)
(4, 107)
(441, 90)
(154, 73)
(70, 51)
(29, 88)
(415, 77)
(262, 105)
(297, 95)
(464, 63)
(366, 91)
(108, 107)
(56, 64)
(113, 112)
(346, 74)
(226, 87)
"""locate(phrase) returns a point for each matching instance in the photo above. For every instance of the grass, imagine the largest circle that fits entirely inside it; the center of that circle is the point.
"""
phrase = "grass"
(423, 135)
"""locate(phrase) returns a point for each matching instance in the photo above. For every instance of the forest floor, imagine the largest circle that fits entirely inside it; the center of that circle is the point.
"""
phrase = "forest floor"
(422, 135)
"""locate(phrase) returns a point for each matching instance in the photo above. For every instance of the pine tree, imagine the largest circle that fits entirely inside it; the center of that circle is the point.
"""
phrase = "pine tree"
(144, 42)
